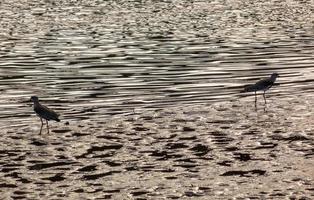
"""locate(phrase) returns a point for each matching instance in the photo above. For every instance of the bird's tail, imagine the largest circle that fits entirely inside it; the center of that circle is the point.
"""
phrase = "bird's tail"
(249, 88)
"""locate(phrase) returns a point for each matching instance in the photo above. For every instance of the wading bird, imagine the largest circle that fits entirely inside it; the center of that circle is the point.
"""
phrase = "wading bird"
(262, 85)
(44, 113)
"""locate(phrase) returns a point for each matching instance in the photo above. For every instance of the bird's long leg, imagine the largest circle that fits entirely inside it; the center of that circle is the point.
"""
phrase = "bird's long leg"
(255, 99)
(264, 97)
(42, 124)
(47, 126)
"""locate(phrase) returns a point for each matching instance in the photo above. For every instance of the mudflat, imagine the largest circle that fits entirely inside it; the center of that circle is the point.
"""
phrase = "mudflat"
(225, 150)
(149, 99)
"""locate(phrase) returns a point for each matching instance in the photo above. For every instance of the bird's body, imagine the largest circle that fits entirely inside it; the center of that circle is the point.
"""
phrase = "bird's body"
(44, 112)
(262, 85)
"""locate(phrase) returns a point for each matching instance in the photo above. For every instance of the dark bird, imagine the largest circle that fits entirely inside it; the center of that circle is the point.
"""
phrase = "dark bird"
(262, 85)
(44, 112)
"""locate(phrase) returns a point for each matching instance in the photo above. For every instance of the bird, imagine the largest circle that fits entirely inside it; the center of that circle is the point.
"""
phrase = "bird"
(262, 85)
(44, 112)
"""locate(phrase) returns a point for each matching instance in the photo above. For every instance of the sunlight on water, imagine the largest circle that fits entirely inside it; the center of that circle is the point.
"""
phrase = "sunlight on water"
(154, 65)
(150, 102)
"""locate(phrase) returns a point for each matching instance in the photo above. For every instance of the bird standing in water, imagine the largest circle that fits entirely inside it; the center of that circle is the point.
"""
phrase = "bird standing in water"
(44, 113)
(262, 85)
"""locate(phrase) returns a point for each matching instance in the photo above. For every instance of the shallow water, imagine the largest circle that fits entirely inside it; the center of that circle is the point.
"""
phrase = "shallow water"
(139, 86)
(116, 56)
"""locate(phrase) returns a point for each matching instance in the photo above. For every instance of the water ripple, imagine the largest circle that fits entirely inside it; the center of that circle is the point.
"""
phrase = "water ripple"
(155, 59)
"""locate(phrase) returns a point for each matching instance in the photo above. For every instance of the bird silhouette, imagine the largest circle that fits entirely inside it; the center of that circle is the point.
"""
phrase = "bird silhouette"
(44, 112)
(262, 85)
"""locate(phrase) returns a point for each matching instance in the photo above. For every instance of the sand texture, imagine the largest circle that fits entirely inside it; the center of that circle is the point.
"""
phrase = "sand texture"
(149, 99)
(221, 151)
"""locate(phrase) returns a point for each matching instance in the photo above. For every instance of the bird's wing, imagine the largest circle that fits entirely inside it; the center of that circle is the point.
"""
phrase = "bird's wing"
(264, 83)
(259, 85)
(46, 113)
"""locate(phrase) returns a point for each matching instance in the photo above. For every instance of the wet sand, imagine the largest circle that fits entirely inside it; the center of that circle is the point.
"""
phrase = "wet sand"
(150, 102)
(225, 150)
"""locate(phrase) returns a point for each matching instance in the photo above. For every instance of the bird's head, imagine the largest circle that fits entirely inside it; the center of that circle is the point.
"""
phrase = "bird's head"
(275, 75)
(34, 98)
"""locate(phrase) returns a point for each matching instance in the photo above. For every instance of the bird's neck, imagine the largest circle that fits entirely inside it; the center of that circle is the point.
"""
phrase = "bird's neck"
(273, 78)
(36, 103)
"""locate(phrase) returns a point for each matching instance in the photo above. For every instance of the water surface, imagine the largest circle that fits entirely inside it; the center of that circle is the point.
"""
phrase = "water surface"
(150, 102)
(104, 58)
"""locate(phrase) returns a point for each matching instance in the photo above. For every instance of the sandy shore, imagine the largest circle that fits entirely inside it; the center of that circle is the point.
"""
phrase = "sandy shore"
(93, 60)
(221, 151)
